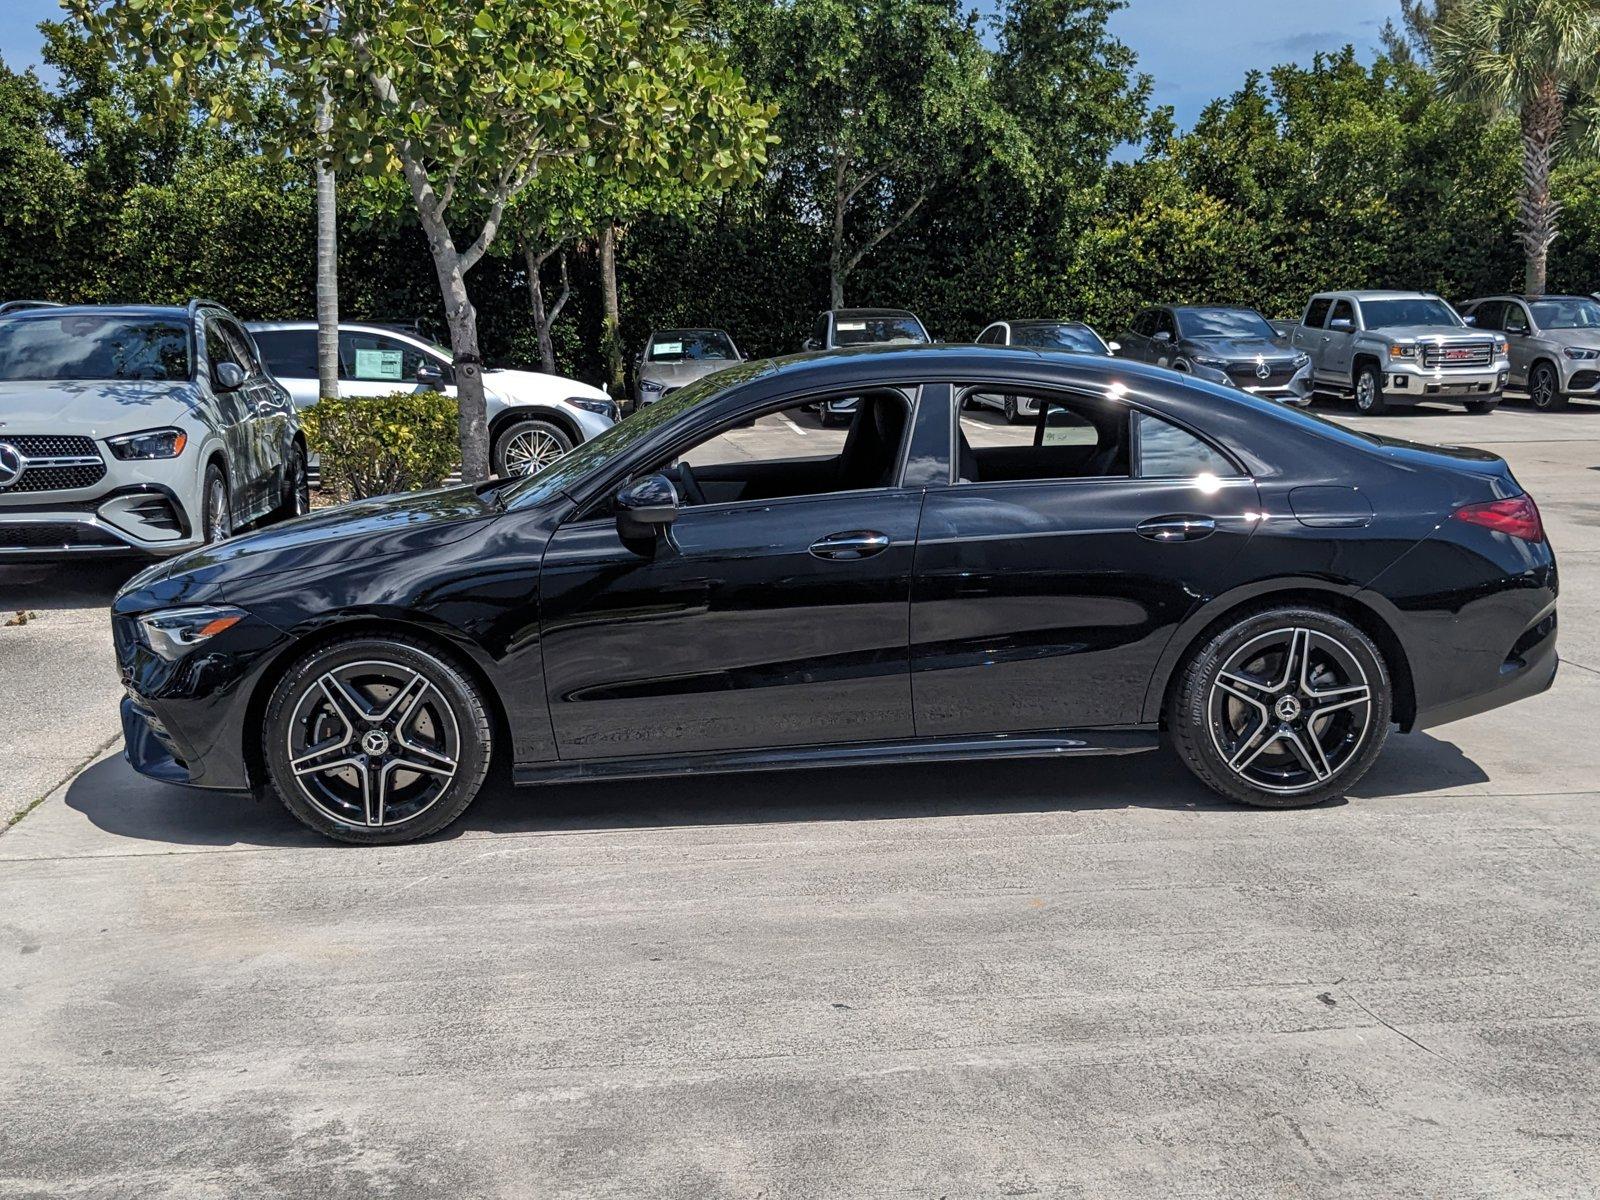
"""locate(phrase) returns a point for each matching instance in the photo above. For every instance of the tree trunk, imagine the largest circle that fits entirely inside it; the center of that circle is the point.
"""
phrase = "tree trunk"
(836, 265)
(327, 260)
(462, 320)
(545, 318)
(611, 320)
(1539, 212)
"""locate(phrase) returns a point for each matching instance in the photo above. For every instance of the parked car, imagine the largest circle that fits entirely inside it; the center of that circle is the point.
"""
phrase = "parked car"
(653, 605)
(1393, 348)
(1225, 344)
(1554, 343)
(840, 327)
(1071, 336)
(148, 430)
(672, 358)
(11, 306)
(534, 418)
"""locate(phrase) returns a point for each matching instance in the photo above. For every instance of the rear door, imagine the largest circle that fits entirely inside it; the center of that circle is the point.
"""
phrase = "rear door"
(1052, 572)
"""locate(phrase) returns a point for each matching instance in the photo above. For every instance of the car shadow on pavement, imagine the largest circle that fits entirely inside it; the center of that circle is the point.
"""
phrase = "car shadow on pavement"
(124, 804)
(51, 587)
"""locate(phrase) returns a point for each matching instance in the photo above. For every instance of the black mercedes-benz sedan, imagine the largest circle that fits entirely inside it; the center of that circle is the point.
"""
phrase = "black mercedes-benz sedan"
(713, 586)
(1226, 344)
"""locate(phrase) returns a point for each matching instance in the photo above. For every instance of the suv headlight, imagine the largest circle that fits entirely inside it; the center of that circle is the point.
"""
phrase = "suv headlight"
(606, 408)
(1580, 352)
(1403, 351)
(1206, 360)
(173, 632)
(650, 385)
(151, 443)
(1301, 359)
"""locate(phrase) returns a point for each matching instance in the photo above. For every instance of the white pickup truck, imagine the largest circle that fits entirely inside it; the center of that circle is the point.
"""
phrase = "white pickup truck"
(1393, 348)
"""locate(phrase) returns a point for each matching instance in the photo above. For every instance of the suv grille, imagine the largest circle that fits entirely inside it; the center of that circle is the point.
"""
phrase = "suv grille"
(49, 476)
(1246, 377)
(1477, 354)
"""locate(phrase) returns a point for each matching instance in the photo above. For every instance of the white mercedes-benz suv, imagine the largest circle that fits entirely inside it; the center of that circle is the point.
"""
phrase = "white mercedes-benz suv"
(533, 418)
(150, 430)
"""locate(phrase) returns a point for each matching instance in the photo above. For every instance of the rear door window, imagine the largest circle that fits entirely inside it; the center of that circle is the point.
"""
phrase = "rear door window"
(1161, 450)
(289, 353)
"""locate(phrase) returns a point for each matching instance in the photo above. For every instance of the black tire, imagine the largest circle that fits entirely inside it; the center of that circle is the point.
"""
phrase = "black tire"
(1369, 391)
(1480, 407)
(528, 443)
(1544, 388)
(440, 721)
(1010, 408)
(296, 500)
(1215, 707)
(216, 509)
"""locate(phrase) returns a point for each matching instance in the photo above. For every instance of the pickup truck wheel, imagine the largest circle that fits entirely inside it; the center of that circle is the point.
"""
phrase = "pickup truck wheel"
(1369, 392)
(1478, 407)
(1544, 389)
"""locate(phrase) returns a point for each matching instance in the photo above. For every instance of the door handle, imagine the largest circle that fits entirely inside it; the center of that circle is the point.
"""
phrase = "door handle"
(859, 543)
(1184, 528)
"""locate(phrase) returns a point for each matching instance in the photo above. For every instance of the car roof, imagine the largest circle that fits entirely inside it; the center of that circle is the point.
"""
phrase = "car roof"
(1378, 294)
(655, 333)
(871, 312)
(364, 326)
(176, 312)
(1037, 321)
(1209, 307)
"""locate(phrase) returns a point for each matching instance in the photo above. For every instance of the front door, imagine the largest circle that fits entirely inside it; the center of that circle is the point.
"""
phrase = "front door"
(772, 613)
(1338, 343)
(1052, 574)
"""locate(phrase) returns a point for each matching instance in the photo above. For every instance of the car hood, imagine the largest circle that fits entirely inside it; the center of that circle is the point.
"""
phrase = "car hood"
(1245, 349)
(98, 408)
(529, 386)
(676, 374)
(1587, 338)
(1442, 333)
(361, 532)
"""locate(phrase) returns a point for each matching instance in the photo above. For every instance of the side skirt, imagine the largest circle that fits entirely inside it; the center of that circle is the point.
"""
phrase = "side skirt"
(1059, 744)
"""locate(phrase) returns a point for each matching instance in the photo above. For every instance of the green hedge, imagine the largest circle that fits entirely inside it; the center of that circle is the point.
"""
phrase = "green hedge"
(378, 445)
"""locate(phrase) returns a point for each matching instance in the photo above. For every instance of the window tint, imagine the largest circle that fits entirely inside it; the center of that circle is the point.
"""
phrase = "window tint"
(374, 358)
(289, 353)
(1343, 310)
(1317, 313)
(991, 336)
(239, 337)
(1490, 314)
(1052, 437)
(1163, 451)
(1164, 323)
(225, 342)
(1078, 338)
(1516, 321)
(1145, 323)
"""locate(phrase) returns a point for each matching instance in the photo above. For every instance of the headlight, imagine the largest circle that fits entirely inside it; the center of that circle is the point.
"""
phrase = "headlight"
(1301, 359)
(606, 408)
(1406, 351)
(152, 443)
(1502, 347)
(1205, 360)
(650, 385)
(174, 632)
(1580, 352)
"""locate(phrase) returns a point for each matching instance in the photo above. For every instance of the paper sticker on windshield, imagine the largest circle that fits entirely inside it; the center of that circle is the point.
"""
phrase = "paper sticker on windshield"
(379, 364)
(851, 326)
(666, 349)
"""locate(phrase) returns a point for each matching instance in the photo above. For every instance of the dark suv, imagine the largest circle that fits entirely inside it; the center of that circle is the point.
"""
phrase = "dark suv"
(1224, 344)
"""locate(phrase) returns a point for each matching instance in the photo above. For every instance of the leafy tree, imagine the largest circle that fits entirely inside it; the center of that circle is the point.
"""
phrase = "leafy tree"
(466, 101)
(1534, 58)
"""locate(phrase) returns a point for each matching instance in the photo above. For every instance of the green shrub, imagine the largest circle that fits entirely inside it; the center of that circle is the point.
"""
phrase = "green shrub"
(376, 445)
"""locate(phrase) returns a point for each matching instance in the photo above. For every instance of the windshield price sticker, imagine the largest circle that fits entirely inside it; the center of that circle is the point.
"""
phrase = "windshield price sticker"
(851, 326)
(664, 349)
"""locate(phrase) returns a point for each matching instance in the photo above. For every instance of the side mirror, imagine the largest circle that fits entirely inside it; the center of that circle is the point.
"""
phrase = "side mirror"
(230, 376)
(1469, 319)
(645, 507)
(1341, 324)
(1161, 335)
(429, 374)
(1114, 347)
(811, 344)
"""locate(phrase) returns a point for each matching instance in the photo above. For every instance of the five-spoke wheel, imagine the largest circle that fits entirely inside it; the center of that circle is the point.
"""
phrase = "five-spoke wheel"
(376, 740)
(1284, 707)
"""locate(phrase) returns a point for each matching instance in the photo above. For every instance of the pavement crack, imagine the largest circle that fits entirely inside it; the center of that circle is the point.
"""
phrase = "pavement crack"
(1392, 1027)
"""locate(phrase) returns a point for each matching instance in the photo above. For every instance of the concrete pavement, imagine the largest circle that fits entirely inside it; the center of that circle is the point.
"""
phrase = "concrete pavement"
(1086, 979)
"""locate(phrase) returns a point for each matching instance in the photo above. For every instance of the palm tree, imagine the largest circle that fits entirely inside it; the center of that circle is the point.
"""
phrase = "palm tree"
(1537, 59)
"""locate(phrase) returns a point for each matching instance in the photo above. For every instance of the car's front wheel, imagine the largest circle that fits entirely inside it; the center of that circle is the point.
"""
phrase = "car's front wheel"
(217, 513)
(1282, 708)
(1369, 392)
(527, 445)
(376, 740)
(1479, 408)
(1544, 388)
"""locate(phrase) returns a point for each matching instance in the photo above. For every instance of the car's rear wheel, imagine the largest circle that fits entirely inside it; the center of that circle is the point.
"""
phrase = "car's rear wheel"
(1544, 388)
(296, 485)
(376, 740)
(1283, 708)
(1369, 392)
(217, 515)
(527, 445)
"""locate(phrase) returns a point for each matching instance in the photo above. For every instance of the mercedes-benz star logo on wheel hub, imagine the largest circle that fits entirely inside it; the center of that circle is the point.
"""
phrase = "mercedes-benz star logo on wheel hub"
(375, 742)
(1287, 708)
(11, 464)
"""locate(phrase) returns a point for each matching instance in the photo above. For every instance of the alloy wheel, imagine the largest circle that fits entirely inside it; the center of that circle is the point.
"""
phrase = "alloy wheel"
(530, 450)
(219, 522)
(1289, 709)
(300, 485)
(1542, 390)
(373, 744)
(1366, 391)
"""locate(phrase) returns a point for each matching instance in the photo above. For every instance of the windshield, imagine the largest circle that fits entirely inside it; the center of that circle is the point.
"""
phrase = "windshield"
(92, 346)
(691, 345)
(572, 467)
(1223, 323)
(1059, 337)
(868, 331)
(1569, 312)
(1386, 314)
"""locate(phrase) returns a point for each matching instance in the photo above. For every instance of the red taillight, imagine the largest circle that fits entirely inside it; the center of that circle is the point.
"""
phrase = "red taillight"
(1518, 516)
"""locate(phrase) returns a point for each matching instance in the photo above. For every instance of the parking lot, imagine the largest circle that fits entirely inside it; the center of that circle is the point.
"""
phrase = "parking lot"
(1086, 978)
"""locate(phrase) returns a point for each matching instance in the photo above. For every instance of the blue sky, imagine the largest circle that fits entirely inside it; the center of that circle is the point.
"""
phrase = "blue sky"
(1196, 49)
